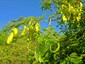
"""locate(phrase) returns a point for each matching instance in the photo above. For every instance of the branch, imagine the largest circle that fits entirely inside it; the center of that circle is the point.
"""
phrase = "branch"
(49, 23)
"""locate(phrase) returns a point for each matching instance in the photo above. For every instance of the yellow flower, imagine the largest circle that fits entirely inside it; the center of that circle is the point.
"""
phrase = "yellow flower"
(10, 38)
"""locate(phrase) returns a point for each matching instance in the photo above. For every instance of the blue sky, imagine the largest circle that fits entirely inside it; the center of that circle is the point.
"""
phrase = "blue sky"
(13, 9)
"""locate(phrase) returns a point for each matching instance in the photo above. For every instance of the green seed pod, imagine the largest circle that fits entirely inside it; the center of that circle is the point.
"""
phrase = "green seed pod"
(37, 27)
(57, 49)
(24, 31)
(15, 31)
(10, 38)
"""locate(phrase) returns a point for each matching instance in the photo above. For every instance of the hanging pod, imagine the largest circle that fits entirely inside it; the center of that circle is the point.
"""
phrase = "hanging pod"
(64, 18)
(15, 31)
(31, 32)
(10, 38)
(81, 5)
(30, 23)
(57, 49)
(78, 17)
(71, 8)
(37, 27)
(24, 31)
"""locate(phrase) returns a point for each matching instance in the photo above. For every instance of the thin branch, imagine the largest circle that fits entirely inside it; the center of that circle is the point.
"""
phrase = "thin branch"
(49, 23)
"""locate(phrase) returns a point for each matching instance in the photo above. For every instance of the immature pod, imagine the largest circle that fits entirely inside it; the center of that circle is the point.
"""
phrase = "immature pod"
(15, 31)
(27, 39)
(30, 28)
(29, 23)
(37, 27)
(10, 38)
(31, 31)
(24, 31)
(57, 49)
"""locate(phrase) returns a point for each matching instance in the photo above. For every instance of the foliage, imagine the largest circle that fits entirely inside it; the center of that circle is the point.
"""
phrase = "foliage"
(36, 45)
(15, 53)
(73, 58)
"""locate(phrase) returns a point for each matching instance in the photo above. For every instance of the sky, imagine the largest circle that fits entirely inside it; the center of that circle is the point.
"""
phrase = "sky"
(13, 9)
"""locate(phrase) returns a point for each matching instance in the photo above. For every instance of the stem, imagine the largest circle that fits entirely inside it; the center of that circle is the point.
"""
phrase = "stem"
(49, 23)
